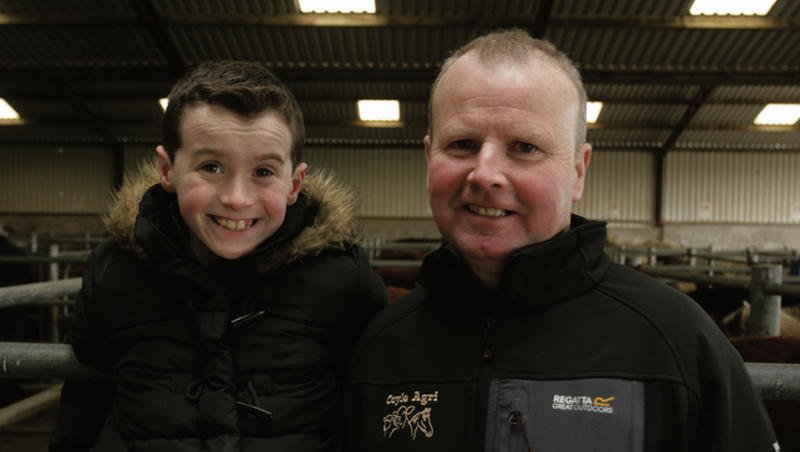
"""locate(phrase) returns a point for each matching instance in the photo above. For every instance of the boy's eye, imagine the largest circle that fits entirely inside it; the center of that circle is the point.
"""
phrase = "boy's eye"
(263, 172)
(212, 168)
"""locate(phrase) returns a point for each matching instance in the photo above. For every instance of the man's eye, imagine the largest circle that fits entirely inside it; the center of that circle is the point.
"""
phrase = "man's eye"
(212, 168)
(263, 172)
(527, 147)
(463, 144)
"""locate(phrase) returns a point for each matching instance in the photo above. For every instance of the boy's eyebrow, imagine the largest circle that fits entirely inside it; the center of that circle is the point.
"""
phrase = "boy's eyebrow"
(271, 156)
(214, 153)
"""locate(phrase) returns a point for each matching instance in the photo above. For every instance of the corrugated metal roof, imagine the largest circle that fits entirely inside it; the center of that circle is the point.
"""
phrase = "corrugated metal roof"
(680, 50)
(96, 67)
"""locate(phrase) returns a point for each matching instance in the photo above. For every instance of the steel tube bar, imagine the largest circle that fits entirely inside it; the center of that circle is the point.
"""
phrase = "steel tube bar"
(24, 293)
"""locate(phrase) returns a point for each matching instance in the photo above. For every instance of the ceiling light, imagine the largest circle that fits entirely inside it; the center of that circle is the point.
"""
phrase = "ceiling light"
(338, 6)
(732, 7)
(6, 112)
(163, 102)
(778, 115)
(593, 111)
(379, 110)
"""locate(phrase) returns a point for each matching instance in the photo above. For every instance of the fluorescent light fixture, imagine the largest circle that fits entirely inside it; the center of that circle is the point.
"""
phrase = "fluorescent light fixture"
(593, 111)
(6, 112)
(778, 115)
(337, 6)
(379, 110)
(163, 102)
(731, 7)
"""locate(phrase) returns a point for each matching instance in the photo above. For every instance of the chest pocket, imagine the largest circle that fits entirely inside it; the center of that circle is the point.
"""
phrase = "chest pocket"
(595, 414)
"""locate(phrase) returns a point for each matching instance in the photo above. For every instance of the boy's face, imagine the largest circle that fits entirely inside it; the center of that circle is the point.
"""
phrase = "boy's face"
(233, 177)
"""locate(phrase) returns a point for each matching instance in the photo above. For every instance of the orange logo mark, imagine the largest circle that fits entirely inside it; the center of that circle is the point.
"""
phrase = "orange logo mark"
(600, 401)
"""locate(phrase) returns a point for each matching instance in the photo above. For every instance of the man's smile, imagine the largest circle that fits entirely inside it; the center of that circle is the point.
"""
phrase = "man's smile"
(487, 211)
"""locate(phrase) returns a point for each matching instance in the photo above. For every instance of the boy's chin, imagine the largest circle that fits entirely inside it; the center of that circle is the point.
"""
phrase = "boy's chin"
(231, 254)
(208, 254)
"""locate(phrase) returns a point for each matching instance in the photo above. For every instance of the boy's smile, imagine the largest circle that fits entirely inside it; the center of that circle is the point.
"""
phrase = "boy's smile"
(233, 177)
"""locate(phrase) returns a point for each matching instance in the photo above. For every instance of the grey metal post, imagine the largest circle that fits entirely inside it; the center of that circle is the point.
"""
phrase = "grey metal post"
(765, 309)
(692, 256)
(652, 256)
(711, 261)
(53, 310)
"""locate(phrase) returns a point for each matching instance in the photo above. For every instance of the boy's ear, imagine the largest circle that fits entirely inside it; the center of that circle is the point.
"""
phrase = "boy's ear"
(297, 181)
(165, 169)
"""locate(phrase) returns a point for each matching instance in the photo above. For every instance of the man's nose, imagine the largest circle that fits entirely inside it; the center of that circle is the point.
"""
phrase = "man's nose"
(237, 193)
(488, 169)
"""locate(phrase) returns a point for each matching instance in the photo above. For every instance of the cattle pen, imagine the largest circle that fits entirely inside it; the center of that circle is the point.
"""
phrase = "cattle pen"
(51, 363)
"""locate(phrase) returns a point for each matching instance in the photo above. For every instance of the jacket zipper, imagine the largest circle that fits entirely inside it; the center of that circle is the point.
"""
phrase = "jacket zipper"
(482, 399)
(518, 421)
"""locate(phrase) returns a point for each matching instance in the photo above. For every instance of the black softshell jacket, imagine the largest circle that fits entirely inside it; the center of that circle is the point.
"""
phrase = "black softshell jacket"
(573, 353)
(243, 355)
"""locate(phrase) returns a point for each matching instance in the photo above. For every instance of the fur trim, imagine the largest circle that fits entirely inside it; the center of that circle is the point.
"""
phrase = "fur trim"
(334, 206)
(121, 217)
(333, 203)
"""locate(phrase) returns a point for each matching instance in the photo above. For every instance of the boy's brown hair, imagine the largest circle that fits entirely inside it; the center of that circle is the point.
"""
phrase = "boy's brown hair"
(243, 87)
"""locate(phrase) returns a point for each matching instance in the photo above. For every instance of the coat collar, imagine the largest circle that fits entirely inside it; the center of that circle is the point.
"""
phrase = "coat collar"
(322, 219)
(535, 276)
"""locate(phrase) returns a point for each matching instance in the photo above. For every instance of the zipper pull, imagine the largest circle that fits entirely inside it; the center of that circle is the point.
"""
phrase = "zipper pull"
(487, 351)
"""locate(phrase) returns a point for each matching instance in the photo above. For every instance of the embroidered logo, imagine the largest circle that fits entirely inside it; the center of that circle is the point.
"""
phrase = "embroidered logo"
(601, 405)
(410, 414)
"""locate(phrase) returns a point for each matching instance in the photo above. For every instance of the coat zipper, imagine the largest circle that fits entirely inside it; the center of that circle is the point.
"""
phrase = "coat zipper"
(482, 399)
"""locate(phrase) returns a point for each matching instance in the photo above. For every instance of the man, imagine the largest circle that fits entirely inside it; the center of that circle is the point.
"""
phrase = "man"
(523, 334)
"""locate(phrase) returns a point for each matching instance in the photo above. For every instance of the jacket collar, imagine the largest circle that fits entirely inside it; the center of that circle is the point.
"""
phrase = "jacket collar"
(164, 236)
(323, 220)
(535, 276)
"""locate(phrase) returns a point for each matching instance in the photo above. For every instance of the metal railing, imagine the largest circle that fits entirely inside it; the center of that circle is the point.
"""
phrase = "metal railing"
(27, 294)
(765, 286)
(58, 362)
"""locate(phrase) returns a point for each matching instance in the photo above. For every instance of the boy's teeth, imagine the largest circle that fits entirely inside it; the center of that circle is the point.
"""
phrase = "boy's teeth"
(487, 212)
(234, 225)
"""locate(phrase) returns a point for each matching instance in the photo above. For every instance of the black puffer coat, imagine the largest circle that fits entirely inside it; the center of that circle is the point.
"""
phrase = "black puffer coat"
(243, 355)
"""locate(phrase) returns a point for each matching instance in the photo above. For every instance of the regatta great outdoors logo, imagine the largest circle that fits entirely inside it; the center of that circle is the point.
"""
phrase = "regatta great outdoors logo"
(410, 413)
(589, 404)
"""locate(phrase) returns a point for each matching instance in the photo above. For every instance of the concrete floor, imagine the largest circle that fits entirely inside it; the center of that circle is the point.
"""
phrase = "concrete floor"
(31, 435)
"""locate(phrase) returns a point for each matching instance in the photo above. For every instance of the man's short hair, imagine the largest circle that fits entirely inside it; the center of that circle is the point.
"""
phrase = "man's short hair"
(245, 88)
(516, 45)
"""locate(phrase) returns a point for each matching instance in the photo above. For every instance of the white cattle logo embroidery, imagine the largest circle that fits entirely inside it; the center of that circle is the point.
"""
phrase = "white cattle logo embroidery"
(404, 417)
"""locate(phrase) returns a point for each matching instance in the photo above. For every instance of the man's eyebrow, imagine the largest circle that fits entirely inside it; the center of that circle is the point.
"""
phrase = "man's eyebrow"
(202, 152)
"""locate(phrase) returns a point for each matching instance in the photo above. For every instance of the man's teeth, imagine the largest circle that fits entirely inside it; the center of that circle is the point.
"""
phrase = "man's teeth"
(234, 225)
(487, 212)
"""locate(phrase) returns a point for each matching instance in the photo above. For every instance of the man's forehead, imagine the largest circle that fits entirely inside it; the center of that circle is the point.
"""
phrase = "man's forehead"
(469, 73)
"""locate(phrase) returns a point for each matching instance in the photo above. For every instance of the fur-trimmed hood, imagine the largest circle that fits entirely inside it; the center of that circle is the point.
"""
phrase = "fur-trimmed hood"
(333, 204)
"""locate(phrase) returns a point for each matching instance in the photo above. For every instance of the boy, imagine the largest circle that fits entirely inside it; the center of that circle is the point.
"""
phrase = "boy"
(228, 301)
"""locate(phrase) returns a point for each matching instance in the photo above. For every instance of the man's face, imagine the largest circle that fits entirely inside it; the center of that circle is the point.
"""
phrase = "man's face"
(502, 170)
(233, 177)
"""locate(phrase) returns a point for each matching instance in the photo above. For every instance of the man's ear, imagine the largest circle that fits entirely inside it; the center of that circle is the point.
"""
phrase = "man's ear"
(297, 182)
(165, 169)
(427, 141)
(581, 166)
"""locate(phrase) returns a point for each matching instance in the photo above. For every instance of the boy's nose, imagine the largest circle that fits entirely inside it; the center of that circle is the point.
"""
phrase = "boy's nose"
(488, 169)
(237, 194)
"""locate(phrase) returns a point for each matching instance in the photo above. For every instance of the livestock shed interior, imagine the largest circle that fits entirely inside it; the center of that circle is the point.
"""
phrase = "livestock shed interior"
(677, 161)
(677, 158)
